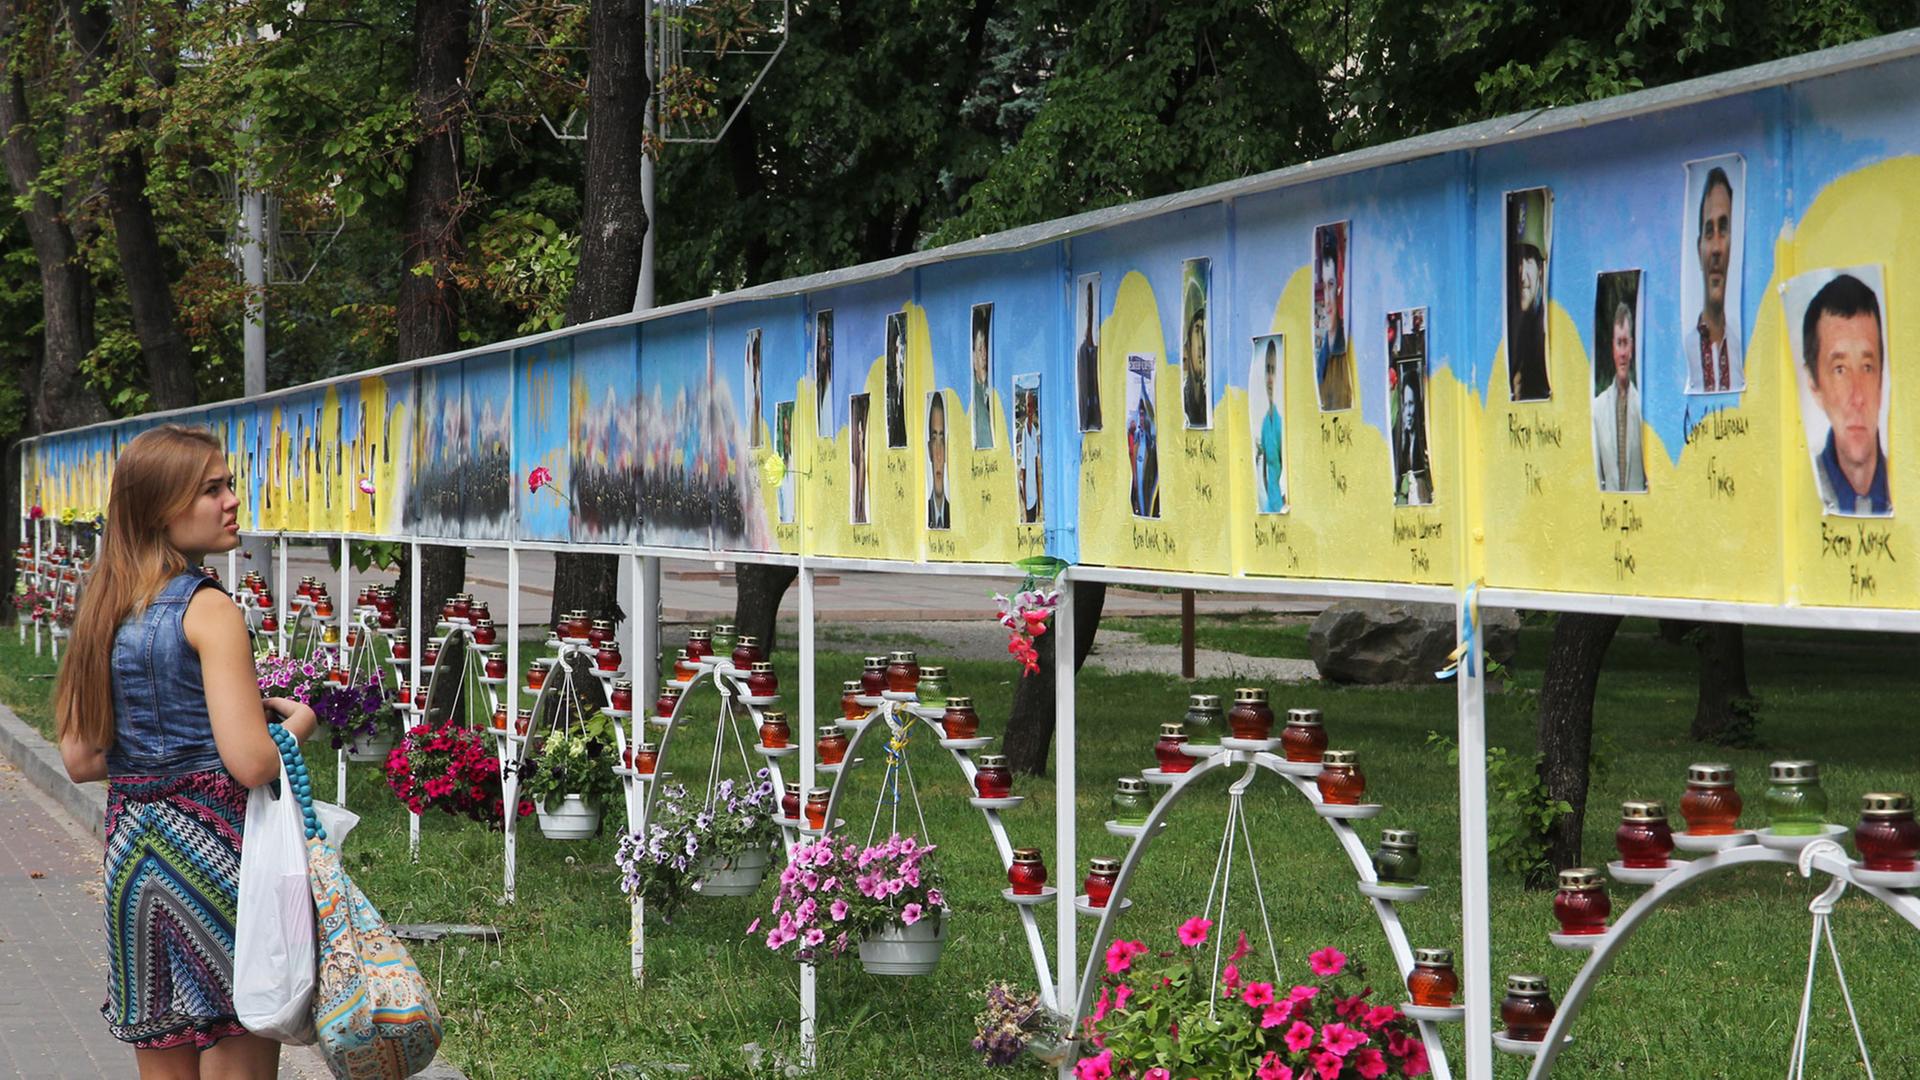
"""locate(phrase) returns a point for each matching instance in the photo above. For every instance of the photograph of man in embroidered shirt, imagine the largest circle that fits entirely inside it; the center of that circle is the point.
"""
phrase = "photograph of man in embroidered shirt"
(1710, 275)
(1616, 364)
(1265, 407)
(1840, 351)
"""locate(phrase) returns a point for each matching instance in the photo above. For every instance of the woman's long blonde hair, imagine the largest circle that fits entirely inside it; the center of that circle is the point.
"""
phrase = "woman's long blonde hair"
(156, 478)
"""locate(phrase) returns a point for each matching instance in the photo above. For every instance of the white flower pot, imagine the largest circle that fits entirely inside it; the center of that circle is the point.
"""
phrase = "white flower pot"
(738, 876)
(375, 747)
(899, 949)
(573, 819)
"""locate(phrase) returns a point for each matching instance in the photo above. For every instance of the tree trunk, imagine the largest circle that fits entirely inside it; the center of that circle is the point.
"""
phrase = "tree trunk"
(1727, 710)
(1579, 646)
(757, 592)
(61, 396)
(1030, 723)
(156, 319)
(614, 225)
(429, 306)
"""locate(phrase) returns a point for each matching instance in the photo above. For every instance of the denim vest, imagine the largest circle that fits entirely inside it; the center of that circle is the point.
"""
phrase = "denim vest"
(160, 721)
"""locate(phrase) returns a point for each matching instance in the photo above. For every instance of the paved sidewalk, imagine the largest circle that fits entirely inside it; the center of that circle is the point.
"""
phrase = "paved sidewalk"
(53, 956)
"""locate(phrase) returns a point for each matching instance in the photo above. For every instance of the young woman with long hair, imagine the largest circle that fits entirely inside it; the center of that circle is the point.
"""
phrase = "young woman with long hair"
(158, 697)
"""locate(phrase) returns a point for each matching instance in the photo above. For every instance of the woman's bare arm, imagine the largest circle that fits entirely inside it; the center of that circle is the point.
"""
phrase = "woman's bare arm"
(217, 631)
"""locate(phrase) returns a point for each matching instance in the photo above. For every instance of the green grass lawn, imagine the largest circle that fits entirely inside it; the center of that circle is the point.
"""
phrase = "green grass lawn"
(1709, 988)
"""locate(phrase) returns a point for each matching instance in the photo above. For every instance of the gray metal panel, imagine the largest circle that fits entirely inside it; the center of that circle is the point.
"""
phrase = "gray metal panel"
(1474, 136)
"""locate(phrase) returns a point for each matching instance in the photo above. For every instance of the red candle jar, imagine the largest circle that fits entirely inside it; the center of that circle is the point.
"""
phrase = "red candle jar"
(1028, 874)
(903, 671)
(873, 676)
(269, 624)
(1887, 837)
(388, 618)
(402, 649)
(1305, 736)
(323, 607)
(337, 675)
(1250, 718)
(419, 699)
(1167, 749)
(400, 692)
(484, 632)
(849, 708)
(462, 606)
(1340, 781)
(790, 803)
(774, 731)
(353, 637)
(993, 780)
(523, 723)
(1581, 904)
(1711, 804)
(667, 702)
(622, 696)
(646, 758)
(608, 658)
(747, 652)
(761, 681)
(684, 669)
(831, 746)
(446, 606)
(1527, 1010)
(496, 667)
(537, 674)
(817, 800)
(499, 718)
(305, 589)
(366, 596)
(1101, 876)
(699, 644)
(960, 721)
(384, 602)
(1433, 982)
(431, 655)
(578, 625)
(599, 631)
(1644, 838)
(478, 609)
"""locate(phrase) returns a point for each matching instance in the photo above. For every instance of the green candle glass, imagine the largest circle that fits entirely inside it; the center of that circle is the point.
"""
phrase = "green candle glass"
(1131, 803)
(1796, 803)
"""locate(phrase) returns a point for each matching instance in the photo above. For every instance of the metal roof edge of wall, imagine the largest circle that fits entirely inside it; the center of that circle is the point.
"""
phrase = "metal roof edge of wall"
(1889, 47)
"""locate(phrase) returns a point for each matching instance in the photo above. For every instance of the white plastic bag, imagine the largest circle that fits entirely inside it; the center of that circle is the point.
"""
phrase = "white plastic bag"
(273, 952)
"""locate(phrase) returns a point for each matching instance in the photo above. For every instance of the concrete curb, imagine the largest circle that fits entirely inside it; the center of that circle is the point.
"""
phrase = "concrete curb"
(39, 761)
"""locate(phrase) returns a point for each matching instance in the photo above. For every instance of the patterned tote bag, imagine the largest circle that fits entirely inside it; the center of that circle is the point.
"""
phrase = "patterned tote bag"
(371, 1008)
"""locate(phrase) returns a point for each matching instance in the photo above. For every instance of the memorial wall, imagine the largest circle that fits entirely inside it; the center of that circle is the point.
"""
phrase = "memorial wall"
(1652, 353)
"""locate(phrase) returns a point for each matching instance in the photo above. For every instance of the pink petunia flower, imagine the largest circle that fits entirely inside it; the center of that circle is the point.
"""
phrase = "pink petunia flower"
(1120, 995)
(838, 909)
(1229, 979)
(911, 914)
(1370, 1064)
(1193, 932)
(1239, 949)
(1097, 1067)
(1272, 1069)
(1275, 1015)
(1380, 1016)
(1328, 1066)
(1299, 1036)
(1341, 1039)
(1327, 962)
(1120, 955)
(1258, 995)
(1156, 1073)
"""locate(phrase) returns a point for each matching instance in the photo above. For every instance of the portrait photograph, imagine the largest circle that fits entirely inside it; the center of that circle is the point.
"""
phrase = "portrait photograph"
(756, 427)
(1332, 352)
(1086, 350)
(1837, 324)
(783, 448)
(857, 457)
(1266, 420)
(939, 504)
(822, 372)
(1196, 283)
(1712, 248)
(1529, 248)
(1026, 448)
(1617, 434)
(897, 381)
(1407, 407)
(1143, 438)
(980, 360)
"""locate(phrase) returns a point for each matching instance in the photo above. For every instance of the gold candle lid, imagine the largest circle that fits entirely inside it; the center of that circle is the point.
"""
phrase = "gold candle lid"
(1643, 810)
(1203, 703)
(1527, 985)
(1249, 694)
(851, 686)
(1581, 878)
(962, 701)
(1433, 957)
(932, 671)
(761, 667)
(1173, 730)
(902, 656)
(875, 663)
(1303, 717)
(1132, 785)
(1026, 854)
(698, 634)
(1793, 772)
(746, 639)
(1399, 838)
(993, 761)
(723, 628)
(1102, 865)
(1339, 757)
(773, 716)
(1886, 802)
(1710, 774)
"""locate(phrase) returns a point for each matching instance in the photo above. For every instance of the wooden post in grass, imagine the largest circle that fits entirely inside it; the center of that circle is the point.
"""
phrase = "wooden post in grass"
(1186, 633)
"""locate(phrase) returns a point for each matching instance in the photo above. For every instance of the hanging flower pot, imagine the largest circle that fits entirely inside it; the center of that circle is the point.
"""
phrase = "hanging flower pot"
(737, 876)
(572, 818)
(374, 747)
(898, 949)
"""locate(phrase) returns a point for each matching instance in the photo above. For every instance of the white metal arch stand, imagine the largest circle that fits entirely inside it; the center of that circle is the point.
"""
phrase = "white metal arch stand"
(1383, 897)
(1822, 855)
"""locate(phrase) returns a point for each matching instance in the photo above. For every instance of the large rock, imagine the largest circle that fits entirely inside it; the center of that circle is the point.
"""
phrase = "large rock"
(1379, 641)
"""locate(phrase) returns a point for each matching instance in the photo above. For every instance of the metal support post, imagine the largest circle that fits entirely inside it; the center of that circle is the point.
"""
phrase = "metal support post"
(1065, 827)
(510, 782)
(419, 639)
(809, 1001)
(1476, 950)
